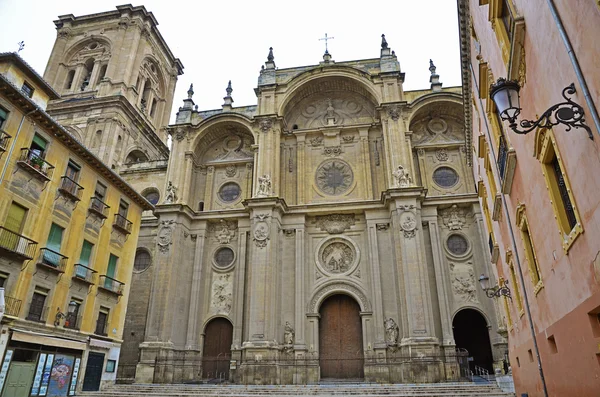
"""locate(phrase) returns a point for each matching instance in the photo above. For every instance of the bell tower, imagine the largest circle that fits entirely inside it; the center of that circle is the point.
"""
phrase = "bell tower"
(116, 76)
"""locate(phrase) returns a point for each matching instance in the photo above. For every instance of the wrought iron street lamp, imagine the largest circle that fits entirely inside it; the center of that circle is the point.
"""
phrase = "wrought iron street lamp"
(497, 290)
(505, 94)
(60, 315)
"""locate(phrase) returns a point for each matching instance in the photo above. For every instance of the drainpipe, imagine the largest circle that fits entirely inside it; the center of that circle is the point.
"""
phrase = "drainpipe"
(14, 142)
(580, 78)
(514, 244)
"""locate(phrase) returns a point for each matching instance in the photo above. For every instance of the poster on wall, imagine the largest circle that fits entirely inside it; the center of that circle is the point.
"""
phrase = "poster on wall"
(60, 377)
(37, 380)
(46, 375)
(5, 364)
(74, 379)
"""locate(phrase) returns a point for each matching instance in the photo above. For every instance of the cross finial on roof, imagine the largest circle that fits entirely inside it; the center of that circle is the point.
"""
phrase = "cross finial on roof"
(431, 67)
(229, 90)
(325, 39)
(21, 46)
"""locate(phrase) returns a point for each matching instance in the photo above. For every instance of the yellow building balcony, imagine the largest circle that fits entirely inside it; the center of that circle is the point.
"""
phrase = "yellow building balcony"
(98, 208)
(84, 274)
(12, 306)
(16, 245)
(122, 224)
(110, 285)
(35, 165)
(52, 260)
(4, 138)
(69, 188)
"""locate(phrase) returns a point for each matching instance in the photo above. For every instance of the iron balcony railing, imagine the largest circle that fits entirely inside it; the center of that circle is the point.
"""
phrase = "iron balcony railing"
(111, 284)
(84, 273)
(12, 306)
(52, 260)
(502, 156)
(99, 207)
(72, 321)
(32, 161)
(4, 138)
(17, 244)
(70, 188)
(122, 223)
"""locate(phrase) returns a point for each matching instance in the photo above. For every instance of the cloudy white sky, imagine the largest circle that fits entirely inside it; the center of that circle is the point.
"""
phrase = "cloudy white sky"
(219, 41)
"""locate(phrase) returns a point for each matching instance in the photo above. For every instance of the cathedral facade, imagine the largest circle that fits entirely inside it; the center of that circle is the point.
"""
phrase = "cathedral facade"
(332, 230)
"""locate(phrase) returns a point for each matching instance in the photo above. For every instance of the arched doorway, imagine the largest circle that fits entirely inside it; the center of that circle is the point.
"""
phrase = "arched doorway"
(471, 333)
(216, 353)
(340, 339)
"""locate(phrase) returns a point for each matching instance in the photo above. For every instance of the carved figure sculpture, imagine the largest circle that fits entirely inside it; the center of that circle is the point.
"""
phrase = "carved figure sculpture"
(171, 196)
(288, 334)
(391, 332)
(401, 177)
(264, 186)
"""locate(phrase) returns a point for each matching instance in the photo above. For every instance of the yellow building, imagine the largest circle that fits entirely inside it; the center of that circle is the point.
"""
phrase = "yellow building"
(68, 232)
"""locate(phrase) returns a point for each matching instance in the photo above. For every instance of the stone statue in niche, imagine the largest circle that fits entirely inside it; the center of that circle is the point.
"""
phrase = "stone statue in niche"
(401, 177)
(391, 332)
(330, 116)
(264, 186)
(288, 334)
(171, 195)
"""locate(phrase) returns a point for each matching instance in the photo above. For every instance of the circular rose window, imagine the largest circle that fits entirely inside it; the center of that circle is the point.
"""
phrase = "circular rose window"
(229, 192)
(445, 177)
(334, 177)
(337, 255)
(457, 244)
(224, 257)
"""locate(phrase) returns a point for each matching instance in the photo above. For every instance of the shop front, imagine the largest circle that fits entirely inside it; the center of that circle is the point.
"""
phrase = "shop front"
(35, 364)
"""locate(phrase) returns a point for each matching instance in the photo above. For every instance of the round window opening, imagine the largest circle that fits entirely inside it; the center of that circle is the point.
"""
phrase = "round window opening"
(152, 197)
(334, 177)
(457, 244)
(229, 192)
(224, 257)
(445, 177)
(142, 261)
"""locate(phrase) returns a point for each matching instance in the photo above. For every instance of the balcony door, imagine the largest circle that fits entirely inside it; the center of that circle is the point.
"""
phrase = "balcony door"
(14, 223)
(54, 242)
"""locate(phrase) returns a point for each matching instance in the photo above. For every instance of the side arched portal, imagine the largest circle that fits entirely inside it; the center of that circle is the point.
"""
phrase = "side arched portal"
(340, 338)
(471, 333)
(216, 353)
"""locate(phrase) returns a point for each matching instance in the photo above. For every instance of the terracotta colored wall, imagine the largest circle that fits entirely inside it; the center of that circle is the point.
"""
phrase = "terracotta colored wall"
(571, 283)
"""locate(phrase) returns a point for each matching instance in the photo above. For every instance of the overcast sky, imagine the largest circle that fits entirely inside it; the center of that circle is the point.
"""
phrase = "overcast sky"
(219, 41)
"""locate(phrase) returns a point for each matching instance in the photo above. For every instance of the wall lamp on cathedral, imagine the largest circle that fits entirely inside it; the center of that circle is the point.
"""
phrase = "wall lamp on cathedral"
(505, 94)
(497, 290)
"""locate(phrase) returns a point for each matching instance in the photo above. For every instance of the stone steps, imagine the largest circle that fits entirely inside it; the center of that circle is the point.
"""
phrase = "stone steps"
(465, 389)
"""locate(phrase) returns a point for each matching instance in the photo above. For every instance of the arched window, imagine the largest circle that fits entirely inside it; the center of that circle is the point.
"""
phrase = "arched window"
(146, 95)
(102, 73)
(153, 107)
(201, 206)
(88, 67)
(69, 80)
(136, 156)
(152, 196)
(142, 260)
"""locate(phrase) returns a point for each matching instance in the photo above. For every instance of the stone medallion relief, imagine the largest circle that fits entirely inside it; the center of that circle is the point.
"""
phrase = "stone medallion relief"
(337, 255)
(221, 293)
(463, 282)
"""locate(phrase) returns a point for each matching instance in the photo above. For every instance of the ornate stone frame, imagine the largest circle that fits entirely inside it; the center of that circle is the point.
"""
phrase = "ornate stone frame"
(336, 287)
(234, 202)
(446, 165)
(454, 256)
(215, 266)
(326, 241)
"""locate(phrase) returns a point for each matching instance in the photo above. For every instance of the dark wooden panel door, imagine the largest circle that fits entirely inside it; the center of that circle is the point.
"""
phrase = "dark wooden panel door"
(340, 339)
(93, 372)
(217, 349)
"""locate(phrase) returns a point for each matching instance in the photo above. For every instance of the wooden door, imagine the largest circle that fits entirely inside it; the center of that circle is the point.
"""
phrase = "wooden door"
(19, 379)
(340, 339)
(218, 336)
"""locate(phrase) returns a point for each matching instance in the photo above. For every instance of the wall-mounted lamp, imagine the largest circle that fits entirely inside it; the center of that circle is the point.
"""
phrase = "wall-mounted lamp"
(505, 94)
(60, 315)
(497, 290)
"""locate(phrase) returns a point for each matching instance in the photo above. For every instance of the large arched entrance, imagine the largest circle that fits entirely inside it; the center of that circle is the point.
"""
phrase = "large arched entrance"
(216, 353)
(471, 333)
(340, 339)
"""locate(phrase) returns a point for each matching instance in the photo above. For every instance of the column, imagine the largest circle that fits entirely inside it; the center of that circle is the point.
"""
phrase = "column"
(185, 180)
(300, 307)
(365, 158)
(239, 288)
(376, 284)
(300, 167)
(210, 174)
(194, 314)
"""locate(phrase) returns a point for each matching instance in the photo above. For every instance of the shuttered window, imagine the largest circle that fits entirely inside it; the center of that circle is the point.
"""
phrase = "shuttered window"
(3, 117)
(86, 252)
(55, 237)
(15, 218)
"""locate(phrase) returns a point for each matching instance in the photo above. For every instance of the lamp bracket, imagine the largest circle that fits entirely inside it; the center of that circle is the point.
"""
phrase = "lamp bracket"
(568, 113)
